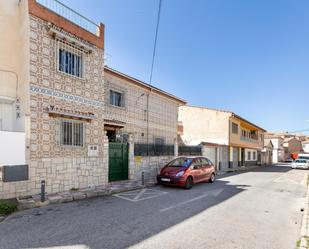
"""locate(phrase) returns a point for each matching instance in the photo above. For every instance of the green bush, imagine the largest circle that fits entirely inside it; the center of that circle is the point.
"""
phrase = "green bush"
(7, 207)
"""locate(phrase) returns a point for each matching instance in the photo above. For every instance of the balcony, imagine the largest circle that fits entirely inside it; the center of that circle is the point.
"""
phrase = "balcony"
(12, 148)
(71, 15)
(250, 140)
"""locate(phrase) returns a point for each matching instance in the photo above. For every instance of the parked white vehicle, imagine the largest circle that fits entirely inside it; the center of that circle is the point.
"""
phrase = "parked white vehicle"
(300, 164)
(303, 156)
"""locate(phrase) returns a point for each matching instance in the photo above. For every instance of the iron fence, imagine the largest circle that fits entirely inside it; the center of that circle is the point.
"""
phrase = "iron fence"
(189, 150)
(153, 150)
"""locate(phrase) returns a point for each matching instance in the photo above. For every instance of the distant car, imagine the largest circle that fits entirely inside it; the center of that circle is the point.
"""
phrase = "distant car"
(300, 164)
(186, 171)
(303, 156)
(288, 160)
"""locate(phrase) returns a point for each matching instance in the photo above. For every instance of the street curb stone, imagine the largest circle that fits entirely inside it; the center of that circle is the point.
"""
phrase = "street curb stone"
(305, 222)
(2, 218)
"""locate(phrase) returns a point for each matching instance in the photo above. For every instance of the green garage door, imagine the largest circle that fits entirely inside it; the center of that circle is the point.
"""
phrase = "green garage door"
(118, 162)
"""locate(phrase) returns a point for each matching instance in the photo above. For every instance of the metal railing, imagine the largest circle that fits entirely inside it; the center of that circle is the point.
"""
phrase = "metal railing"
(70, 14)
(153, 150)
(247, 139)
(189, 150)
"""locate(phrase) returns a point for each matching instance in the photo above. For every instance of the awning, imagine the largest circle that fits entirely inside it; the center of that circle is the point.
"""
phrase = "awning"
(113, 123)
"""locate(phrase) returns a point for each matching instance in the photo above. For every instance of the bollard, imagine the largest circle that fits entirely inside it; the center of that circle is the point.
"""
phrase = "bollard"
(42, 191)
(143, 178)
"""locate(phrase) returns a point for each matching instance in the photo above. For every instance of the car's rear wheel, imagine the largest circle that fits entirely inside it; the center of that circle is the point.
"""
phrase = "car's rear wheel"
(189, 183)
(212, 178)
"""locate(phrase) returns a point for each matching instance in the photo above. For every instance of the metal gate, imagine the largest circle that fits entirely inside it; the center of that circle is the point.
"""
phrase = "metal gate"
(118, 162)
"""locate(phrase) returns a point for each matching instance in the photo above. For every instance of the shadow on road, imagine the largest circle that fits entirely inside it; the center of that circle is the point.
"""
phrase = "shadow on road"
(111, 222)
(280, 168)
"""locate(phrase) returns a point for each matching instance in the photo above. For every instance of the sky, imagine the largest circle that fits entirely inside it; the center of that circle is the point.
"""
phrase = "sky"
(249, 57)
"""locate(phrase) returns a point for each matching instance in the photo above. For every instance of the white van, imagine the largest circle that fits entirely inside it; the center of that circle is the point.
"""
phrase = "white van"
(303, 157)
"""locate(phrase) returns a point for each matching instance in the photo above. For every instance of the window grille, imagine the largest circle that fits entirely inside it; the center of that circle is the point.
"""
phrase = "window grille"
(71, 133)
(70, 59)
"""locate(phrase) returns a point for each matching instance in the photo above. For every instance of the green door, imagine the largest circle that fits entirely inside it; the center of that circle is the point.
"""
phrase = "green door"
(118, 162)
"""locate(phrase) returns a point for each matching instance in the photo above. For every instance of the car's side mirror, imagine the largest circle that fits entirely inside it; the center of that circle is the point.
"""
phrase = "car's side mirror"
(195, 167)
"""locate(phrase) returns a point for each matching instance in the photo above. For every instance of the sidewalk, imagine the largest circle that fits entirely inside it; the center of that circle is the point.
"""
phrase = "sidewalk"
(112, 188)
(303, 243)
(78, 194)
(242, 168)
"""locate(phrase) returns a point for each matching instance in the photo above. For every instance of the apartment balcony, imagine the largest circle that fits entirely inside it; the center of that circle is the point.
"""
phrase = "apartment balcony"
(57, 13)
(70, 14)
(250, 140)
(12, 148)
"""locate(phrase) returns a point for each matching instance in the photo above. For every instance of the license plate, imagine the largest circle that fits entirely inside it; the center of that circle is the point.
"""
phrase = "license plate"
(165, 180)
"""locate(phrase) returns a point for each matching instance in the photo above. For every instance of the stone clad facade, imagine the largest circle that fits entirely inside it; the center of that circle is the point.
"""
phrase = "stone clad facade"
(54, 98)
(162, 108)
(64, 167)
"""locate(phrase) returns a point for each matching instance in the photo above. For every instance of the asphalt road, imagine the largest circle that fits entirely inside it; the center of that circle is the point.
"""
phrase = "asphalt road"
(256, 209)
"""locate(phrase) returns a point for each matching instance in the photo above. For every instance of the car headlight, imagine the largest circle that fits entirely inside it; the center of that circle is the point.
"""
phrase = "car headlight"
(180, 173)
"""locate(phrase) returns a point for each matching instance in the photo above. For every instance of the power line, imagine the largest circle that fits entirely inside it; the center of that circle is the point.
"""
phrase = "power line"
(155, 41)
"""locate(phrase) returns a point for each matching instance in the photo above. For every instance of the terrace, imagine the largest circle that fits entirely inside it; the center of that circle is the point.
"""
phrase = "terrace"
(71, 15)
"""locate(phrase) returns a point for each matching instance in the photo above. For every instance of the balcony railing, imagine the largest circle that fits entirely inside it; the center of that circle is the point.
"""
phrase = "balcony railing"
(250, 140)
(12, 148)
(70, 14)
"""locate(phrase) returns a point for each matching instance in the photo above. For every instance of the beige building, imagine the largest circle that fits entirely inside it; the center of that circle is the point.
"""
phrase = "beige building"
(241, 141)
(137, 108)
(278, 150)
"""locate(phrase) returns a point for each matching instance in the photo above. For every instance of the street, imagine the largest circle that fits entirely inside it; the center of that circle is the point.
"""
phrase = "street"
(255, 209)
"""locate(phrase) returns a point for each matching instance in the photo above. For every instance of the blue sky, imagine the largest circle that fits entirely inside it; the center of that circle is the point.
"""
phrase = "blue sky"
(250, 57)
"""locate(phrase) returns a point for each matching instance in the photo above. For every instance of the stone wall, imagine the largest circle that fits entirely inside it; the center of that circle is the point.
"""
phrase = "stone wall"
(62, 167)
(148, 166)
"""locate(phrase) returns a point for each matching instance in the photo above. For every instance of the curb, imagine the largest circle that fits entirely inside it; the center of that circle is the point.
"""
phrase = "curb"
(233, 170)
(305, 223)
(71, 196)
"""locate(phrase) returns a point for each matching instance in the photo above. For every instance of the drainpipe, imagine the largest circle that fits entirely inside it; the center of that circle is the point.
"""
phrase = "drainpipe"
(148, 95)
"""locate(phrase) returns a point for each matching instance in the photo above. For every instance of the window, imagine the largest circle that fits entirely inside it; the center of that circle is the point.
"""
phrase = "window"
(249, 155)
(70, 60)
(234, 128)
(116, 98)
(72, 133)
(254, 155)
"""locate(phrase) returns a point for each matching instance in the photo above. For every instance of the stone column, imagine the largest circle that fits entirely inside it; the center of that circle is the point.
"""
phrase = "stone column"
(175, 147)
(105, 160)
(131, 157)
(231, 157)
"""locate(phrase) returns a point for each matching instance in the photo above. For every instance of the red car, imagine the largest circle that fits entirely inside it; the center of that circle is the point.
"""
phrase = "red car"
(186, 171)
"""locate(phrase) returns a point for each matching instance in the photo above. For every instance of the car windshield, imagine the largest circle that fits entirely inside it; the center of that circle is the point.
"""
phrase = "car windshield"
(300, 161)
(180, 162)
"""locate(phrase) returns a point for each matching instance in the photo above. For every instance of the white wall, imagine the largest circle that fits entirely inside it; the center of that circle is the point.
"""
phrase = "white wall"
(275, 156)
(204, 125)
(251, 159)
(306, 148)
(12, 148)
